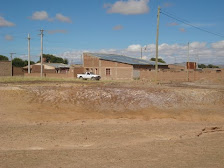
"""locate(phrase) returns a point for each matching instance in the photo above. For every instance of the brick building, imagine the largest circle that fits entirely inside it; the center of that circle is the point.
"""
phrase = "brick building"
(5, 68)
(191, 65)
(177, 67)
(48, 68)
(111, 66)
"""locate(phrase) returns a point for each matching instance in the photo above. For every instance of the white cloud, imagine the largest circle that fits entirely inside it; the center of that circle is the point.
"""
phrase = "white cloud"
(74, 57)
(134, 48)
(5, 23)
(198, 45)
(171, 53)
(43, 15)
(40, 15)
(218, 45)
(129, 7)
(8, 37)
(118, 27)
(63, 18)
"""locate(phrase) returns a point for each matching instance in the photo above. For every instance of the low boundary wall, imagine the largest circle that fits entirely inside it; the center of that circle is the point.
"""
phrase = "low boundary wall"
(163, 76)
(50, 75)
(169, 76)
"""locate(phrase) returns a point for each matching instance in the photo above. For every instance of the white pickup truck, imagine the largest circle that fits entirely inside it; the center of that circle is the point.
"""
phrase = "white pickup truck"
(88, 75)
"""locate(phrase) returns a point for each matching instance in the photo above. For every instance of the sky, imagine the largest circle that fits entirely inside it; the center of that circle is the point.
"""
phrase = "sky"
(72, 27)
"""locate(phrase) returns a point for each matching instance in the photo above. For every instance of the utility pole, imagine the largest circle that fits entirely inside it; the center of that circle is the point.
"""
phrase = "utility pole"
(144, 51)
(197, 60)
(41, 59)
(188, 62)
(141, 52)
(28, 53)
(11, 63)
(157, 43)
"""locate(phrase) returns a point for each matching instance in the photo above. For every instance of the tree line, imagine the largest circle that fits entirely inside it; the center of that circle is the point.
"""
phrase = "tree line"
(18, 62)
(207, 66)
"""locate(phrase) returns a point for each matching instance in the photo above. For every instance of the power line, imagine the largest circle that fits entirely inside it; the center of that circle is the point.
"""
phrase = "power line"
(189, 24)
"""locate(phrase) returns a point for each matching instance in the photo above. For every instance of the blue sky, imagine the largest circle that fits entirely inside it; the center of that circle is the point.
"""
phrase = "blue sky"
(113, 26)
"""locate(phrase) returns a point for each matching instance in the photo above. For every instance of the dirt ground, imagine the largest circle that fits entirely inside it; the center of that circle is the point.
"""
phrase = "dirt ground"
(111, 124)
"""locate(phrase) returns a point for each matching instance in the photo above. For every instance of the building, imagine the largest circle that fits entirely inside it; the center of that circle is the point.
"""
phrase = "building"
(111, 66)
(191, 65)
(177, 67)
(76, 69)
(48, 68)
(5, 68)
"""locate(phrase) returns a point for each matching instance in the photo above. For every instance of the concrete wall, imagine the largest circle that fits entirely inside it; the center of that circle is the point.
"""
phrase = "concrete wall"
(167, 76)
(5, 68)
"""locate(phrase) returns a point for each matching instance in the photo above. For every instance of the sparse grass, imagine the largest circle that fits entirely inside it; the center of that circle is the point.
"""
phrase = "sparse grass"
(21, 79)
(16, 79)
(33, 80)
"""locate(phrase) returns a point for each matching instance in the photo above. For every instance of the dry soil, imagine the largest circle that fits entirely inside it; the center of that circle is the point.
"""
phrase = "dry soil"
(97, 124)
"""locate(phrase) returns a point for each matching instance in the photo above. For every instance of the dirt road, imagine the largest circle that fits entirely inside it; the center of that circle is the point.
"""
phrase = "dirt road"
(111, 125)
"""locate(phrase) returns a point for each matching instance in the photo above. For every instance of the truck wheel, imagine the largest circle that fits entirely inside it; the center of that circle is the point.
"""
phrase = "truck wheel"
(80, 77)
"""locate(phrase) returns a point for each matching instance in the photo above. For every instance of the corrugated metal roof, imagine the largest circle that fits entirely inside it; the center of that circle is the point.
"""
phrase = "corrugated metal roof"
(124, 59)
(57, 65)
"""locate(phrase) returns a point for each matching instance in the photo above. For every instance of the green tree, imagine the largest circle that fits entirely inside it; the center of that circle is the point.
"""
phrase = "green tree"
(17, 62)
(201, 66)
(159, 60)
(3, 58)
(65, 61)
(212, 66)
(53, 59)
(207, 66)
(26, 62)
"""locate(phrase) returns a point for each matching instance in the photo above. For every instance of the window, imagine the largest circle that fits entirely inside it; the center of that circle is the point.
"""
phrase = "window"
(107, 72)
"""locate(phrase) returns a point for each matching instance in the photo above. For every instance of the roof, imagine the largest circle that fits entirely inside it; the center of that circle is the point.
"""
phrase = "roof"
(57, 65)
(54, 65)
(124, 59)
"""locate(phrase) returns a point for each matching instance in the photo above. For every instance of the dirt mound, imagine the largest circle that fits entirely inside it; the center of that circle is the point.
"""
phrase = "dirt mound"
(123, 99)
(72, 102)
